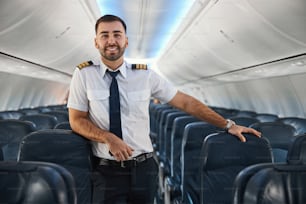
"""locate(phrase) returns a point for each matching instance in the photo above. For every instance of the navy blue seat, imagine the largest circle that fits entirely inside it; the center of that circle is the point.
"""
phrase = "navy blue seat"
(298, 123)
(29, 111)
(58, 107)
(297, 151)
(11, 133)
(11, 114)
(154, 111)
(43, 109)
(225, 112)
(63, 125)
(222, 157)
(266, 117)
(61, 116)
(242, 179)
(172, 183)
(161, 133)
(158, 119)
(41, 121)
(167, 133)
(193, 138)
(280, 137)
(244, 121)
(246, 113)
(65, 148)
(36, 182)
(281, 177)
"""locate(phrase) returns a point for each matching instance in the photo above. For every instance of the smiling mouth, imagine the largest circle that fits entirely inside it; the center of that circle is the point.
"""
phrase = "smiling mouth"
(112, 49)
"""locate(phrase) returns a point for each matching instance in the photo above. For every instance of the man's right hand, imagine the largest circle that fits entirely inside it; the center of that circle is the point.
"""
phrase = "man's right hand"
(118, 148)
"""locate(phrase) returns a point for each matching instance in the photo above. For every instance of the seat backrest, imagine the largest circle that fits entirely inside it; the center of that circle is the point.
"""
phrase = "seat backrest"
(160, 135)
(11, 114)
(298, 123)
(11, 133)
(65, 148)
(223, 156)
(41, 121)
(179, 125)
(63, 125)
(245, 121)
(296, 156)
(246, 113)
(154, 110)
(167, 133)
(29, 111)
(155, 115)
(276, 183)
(297, 151)
(242, 179)
(266, 117)
(225, 112)
(61, 116)
(192, 140)
(36, 182)
(280, 137)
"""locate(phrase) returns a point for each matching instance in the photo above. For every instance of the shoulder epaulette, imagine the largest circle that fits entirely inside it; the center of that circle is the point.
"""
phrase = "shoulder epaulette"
(85, 64)
(139, 66)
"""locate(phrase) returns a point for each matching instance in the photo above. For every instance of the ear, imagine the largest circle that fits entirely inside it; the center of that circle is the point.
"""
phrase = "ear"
(126, 42)
(96, 44)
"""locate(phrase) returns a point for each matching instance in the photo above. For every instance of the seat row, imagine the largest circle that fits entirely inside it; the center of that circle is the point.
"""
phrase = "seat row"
(177, 134)
(52, 166)
(16, 114)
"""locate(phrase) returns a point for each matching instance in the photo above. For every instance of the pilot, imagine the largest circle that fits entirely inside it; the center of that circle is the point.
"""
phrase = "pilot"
(108, 104)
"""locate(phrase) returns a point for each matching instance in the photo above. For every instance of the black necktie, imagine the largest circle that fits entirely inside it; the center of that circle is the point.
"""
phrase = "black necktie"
(114, 106)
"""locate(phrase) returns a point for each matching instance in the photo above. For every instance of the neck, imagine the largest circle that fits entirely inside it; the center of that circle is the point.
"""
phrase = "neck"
(113, 64)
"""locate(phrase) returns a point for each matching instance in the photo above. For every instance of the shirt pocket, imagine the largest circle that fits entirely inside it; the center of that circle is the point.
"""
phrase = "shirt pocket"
(138, 103)
(97, 95)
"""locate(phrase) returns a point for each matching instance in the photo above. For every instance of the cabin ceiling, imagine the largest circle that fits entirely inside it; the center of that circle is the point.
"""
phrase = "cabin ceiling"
(216, 41)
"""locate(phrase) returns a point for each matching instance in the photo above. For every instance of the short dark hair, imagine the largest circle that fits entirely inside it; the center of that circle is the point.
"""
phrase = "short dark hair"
(109, 18)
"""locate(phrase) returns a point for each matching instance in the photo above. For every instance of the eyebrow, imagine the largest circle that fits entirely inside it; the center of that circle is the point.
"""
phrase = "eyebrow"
(115, 31)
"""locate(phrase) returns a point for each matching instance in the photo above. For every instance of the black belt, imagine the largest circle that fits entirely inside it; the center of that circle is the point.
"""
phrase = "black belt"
(127, 163)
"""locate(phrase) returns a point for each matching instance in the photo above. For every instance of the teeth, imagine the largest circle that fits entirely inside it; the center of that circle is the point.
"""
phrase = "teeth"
(111, 48)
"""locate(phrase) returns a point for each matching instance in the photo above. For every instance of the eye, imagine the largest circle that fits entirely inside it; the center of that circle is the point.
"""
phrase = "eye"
(104, 36)
(118, 36)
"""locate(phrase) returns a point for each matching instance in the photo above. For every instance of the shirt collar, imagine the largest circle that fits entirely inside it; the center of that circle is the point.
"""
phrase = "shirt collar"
(122, 69)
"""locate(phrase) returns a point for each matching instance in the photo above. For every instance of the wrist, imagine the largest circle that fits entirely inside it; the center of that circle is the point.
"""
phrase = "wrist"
(229, 124)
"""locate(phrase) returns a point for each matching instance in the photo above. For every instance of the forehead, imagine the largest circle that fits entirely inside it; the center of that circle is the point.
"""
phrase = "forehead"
(110, 27)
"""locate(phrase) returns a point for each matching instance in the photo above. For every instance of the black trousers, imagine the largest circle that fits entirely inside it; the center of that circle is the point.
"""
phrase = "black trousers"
(129, 185)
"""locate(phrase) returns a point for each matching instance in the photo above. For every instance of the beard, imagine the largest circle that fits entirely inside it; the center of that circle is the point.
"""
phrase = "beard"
(112, 56)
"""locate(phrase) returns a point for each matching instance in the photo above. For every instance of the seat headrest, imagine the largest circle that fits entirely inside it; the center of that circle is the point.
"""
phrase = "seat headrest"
(297, 151)
(35, 182)
(280, 183)
(221, 150)
(279, 134)
(56, 146)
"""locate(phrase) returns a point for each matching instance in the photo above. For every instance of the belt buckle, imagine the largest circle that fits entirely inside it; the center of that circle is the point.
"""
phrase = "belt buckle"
(122, 164)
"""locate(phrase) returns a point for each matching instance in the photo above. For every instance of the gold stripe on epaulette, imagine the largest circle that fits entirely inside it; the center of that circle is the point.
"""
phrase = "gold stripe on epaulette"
(139, 66)
(85, 64)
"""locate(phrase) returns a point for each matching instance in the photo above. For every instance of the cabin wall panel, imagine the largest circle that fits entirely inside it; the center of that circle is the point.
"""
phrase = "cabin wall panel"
(298, 82)
(21, 92)
(284, 96)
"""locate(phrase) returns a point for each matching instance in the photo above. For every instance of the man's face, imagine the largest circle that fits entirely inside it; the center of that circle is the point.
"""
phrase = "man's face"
(111, 40)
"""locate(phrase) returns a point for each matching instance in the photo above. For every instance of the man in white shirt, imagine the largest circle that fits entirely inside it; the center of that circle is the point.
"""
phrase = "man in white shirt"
(127, 170)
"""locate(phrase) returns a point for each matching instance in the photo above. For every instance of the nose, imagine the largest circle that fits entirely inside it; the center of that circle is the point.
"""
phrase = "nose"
(111, 40)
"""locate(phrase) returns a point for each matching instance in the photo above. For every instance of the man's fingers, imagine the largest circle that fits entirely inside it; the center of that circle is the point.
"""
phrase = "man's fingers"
(253, 131)
(238, 130)
(241, 137)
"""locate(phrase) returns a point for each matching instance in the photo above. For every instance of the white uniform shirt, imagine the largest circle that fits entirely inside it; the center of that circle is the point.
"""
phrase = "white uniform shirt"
(89, 91)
